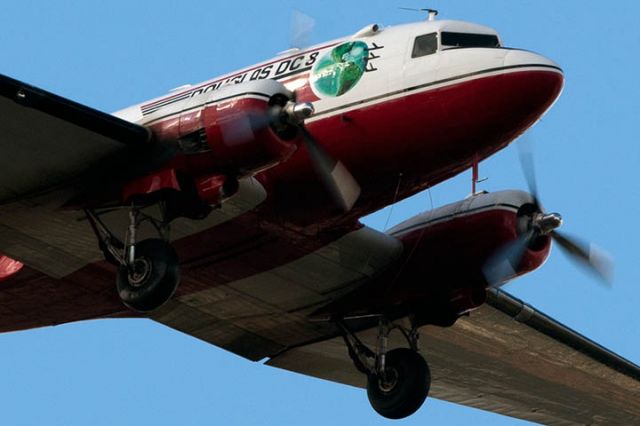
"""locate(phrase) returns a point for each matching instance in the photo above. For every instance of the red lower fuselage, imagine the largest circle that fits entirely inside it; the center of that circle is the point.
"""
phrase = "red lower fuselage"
(415, 141)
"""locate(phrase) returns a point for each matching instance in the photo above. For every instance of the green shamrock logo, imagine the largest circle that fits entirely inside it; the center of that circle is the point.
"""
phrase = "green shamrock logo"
(340, 69)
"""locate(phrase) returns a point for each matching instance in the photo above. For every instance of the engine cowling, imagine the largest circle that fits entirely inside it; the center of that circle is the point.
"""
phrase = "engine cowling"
(222, 136)
(234, 130)
(440, 275)
(239, 138)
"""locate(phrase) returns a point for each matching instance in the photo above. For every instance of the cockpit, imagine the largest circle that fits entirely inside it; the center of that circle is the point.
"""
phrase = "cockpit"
(434, 41)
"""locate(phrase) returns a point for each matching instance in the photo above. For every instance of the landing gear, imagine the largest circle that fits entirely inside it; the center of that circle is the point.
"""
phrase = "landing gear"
(148, 271)
(398, 381)
(151, 279)
(402, 387)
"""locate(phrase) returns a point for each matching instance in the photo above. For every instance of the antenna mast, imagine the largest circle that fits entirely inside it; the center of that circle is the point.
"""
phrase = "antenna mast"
(431, 13)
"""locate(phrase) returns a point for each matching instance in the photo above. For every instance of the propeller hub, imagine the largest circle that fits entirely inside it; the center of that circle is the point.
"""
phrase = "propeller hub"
(546, 223)
(298, 112)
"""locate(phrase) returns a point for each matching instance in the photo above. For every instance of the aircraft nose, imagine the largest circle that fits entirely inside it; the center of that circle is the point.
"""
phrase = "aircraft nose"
(515, 89)
(536, 81)
(517, 57)
(542, 79)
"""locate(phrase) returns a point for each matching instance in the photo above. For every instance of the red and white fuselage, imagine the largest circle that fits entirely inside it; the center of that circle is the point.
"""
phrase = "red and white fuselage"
(403, 108)
(421, 109)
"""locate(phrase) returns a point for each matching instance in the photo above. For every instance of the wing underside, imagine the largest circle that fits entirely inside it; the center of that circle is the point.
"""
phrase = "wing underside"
(508, 358)
(53, 150)
(47, 141)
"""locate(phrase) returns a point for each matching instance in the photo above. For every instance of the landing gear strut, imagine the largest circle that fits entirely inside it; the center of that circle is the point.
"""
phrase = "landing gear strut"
(398, 381)
(148, 271)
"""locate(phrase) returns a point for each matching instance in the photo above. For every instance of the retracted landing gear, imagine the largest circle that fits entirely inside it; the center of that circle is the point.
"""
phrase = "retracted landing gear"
(398, 381)
(148, 271)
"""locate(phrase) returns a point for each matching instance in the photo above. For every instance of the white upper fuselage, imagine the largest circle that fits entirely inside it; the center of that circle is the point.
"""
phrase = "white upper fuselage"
(392, 67)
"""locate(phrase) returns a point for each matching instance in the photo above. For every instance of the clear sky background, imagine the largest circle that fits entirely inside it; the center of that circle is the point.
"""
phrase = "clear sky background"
(110, 54)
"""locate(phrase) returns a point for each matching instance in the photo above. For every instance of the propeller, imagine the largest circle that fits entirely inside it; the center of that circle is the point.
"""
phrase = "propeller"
(335, 177)
(503, 264)
(287, 118)
(301, 28)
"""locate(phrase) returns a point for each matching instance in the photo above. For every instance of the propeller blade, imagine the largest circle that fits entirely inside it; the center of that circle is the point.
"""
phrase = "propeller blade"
(243, 128)
(594, 259)
(504, 263)
(334, 175)
(529, 171)
(301, 28)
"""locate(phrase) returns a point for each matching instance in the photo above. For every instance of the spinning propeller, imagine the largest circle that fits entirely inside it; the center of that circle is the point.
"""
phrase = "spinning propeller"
(301, 28)
(335, 177)
(535, 224)
(287, 118)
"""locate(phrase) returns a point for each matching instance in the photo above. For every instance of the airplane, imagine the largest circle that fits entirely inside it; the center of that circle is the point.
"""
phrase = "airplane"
(256, 180)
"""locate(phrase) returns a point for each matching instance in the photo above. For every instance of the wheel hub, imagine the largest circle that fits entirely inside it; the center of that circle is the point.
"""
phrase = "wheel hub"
(388, 380)
(139, 271)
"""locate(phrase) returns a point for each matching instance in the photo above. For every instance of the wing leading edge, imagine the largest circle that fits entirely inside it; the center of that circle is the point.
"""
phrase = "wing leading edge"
(509, 358)
(47, 140)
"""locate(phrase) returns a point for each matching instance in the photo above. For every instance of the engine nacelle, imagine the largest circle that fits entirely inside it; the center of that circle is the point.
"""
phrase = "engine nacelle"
(233, 130)
(241, 139)
(466, 299)
(440, 275)
(222, 136)
(452, 243)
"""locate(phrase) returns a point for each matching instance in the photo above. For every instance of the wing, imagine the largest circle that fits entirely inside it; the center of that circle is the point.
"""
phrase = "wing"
(52, 149)
(257, 315)
(509, 358)
(48, 141)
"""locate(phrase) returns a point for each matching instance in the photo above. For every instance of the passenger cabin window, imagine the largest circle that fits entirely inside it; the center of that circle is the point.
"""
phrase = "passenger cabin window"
(425, 45)
(456, 40)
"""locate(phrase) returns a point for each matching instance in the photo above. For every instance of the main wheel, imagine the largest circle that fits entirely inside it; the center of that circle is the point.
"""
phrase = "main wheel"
(405, 385)
(153, 277)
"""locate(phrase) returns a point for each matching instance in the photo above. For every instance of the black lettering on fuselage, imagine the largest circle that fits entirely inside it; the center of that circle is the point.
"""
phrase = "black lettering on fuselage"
(312, 59)
(296, 63)
(266, 71)
(283, 67)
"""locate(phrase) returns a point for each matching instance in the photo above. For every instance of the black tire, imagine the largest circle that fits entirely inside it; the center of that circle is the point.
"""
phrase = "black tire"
(409, 380)
(156, 276)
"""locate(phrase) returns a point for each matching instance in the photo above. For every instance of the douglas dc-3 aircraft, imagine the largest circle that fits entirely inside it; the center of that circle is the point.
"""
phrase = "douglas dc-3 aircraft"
(229, 211)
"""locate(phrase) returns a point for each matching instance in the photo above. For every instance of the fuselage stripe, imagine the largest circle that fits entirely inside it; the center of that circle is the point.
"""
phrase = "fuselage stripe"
(208, 83)
(375, 98)
(153, 108)
(433, 83)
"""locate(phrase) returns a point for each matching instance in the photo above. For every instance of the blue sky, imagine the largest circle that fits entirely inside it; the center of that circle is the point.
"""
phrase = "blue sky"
(110, 54)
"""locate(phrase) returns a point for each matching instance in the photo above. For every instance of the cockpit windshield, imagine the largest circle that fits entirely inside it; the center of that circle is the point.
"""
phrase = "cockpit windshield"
(451, 40)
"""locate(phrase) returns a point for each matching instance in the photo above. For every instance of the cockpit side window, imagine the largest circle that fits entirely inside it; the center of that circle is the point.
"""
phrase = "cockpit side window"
(455, 40)
(425, 45)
